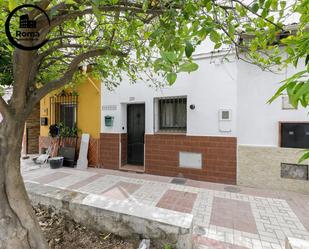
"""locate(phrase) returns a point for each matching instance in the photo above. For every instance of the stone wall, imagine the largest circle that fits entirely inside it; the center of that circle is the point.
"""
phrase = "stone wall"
(261, 167)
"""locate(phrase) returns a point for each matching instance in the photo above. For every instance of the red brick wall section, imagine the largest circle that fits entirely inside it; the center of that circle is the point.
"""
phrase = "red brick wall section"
(109, 150)
(218, 156)
(94, 152)
(33, 131)
(45, 142)
(93, 149)
(124, 142)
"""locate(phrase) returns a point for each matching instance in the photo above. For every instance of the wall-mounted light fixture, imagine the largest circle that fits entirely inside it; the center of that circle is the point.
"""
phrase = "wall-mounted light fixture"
(192, 107)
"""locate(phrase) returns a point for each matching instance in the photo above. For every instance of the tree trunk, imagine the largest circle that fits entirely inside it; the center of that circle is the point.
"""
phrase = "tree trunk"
(19, 228)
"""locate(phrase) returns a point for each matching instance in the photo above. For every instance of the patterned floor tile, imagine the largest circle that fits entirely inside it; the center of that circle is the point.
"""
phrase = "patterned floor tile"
(251, 218)
(233, 214)
(215, 244)
(121, 190)
(84, 182)
(178, 201)
(51, 177)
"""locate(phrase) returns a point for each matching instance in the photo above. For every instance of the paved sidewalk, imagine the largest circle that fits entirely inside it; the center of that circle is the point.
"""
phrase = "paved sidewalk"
(225, 216)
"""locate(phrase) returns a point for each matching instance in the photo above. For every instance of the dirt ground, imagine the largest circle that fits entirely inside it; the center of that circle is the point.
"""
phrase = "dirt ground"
(63, 233)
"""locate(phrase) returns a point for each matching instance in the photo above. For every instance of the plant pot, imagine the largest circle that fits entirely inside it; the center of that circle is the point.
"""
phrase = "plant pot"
(56, 162)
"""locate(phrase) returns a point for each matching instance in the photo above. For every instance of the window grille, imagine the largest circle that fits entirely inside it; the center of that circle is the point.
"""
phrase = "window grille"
(173, 114)
(63, 109)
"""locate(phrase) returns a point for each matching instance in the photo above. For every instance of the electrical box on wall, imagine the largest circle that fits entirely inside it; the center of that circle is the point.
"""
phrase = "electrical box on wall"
(225, 118)
(109, 120)
(286, 105)
(225, 115)
(190, 160)
(294, 135)
(44, 121)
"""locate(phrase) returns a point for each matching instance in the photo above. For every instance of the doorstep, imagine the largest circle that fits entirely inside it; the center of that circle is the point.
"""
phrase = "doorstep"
(133, 168)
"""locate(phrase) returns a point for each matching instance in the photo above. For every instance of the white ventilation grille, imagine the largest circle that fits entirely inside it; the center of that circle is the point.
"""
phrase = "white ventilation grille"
(109, 107)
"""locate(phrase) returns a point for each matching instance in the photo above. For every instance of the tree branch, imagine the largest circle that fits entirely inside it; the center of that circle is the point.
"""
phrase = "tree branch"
(106, 8)
(64, 37)
(257, 14)
(67, 76)
(50, 51)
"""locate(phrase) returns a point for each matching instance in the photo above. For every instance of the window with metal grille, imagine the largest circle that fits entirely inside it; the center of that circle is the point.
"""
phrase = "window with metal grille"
(63, 109)
(173, 114)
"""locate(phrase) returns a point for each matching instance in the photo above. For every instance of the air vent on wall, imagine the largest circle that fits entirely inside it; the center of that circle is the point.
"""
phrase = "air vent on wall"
(109, 107)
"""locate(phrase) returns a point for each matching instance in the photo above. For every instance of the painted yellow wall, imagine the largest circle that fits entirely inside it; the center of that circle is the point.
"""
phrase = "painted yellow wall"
(88, 113)
(45, 112)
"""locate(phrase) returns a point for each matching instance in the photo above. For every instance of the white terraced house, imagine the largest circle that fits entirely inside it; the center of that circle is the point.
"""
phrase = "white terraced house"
(214, 124)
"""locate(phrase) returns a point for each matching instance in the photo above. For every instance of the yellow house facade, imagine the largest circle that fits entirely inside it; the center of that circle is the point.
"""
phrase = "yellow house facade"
(77, 107)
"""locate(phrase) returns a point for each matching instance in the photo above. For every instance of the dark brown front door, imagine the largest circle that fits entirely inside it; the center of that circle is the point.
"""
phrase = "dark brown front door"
(136, 132)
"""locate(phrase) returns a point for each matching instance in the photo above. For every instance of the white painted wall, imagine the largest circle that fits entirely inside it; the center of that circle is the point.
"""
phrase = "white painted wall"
(211, 88)
(239, 86)
(257, 121)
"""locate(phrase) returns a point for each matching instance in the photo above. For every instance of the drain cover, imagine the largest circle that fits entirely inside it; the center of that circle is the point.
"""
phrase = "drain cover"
(232, 189)
(180, 181)
(199, 230)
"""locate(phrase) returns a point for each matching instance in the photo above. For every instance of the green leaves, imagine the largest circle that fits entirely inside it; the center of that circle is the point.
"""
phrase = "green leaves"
(274, 5)
(297, 90)
(255, 7)
(266, 8)
(162, 65)
(282, 4)
(70, 2)
(174, 33)
(169, 56)
(304, 157)
(241, 10)
(171, 78)
(145, 5)
(167, 246)
(215, 36)
(172, 63)
(188, 67)
(12, 4)
(189, 49)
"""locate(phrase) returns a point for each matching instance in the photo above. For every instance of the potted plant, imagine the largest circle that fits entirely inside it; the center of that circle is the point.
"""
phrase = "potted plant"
(68, 142)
